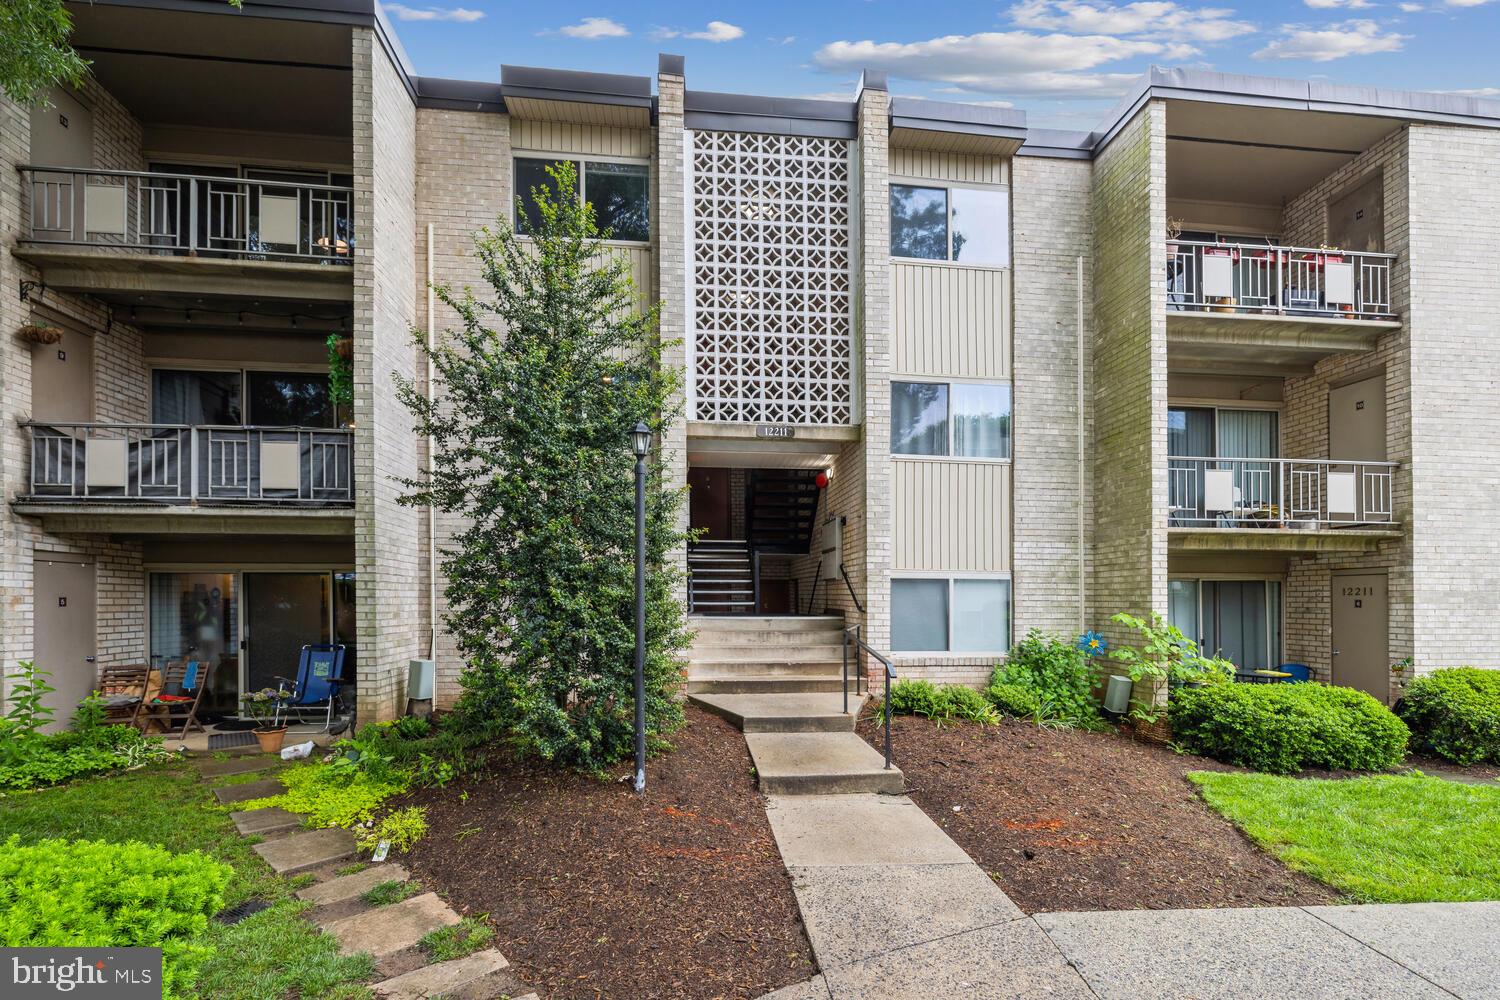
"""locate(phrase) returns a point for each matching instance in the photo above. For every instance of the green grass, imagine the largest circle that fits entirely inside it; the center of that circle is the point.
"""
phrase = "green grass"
(1382, 839)
(271, 954)
(463, 938)
(390, 892)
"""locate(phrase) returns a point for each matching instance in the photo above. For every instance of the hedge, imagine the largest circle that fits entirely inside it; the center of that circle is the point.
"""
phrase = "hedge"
(1455, 714)
(941, 703)
(1284, 728)
(94, 894)
(1014, 699)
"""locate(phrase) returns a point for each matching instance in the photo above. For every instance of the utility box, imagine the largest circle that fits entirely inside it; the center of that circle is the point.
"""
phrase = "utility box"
(419, 679)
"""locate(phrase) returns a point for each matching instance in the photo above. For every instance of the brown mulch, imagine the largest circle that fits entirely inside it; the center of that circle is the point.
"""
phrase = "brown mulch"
(594, 892)
(1072, 820)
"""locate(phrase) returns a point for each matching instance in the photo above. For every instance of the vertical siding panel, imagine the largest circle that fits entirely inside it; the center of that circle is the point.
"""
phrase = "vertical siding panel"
(950, 321)
(951, 516)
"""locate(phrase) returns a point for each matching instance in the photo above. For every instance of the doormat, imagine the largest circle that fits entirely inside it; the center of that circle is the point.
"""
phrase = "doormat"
(234, 725)
(223, 741)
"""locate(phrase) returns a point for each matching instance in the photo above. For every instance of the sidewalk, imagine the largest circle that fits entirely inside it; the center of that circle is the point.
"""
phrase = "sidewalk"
(895, 910)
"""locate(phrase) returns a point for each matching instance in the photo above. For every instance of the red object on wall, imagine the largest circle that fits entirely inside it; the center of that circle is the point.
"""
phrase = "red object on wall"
(822, 480)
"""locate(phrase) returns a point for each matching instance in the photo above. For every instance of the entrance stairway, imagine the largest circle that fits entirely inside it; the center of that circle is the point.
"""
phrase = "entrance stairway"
(781, 506)
(780, 680)
(720, 579)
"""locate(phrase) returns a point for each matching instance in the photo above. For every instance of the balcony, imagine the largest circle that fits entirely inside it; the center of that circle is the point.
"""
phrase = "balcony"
(129, 478)
(114, 232)
(1279, 504)
(1274, 307)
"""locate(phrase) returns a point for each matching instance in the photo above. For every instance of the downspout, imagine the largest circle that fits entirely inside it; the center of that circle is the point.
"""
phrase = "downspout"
(432, 587)
(1082, 467)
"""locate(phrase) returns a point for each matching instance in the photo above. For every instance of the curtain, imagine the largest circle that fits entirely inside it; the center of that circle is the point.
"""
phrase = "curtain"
(1190, 432)
(1250, 434)
(1182, 607)
(1234, 622)
(981, 420)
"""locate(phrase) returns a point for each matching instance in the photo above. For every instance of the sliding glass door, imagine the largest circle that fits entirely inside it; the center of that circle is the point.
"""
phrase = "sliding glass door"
(283, 613)
(1239, 620)
(195, 616)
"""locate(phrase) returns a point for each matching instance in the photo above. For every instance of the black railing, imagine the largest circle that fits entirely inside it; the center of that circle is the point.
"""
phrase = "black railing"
(854, 638)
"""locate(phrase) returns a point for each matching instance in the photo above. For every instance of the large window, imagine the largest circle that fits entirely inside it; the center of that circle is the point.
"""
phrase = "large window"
(968, 225)
(963, 615)
(195, 616)
(619, 192)
(289, 399)
(959, 419)
(1239, 620)
(198, 398)
(231, 398)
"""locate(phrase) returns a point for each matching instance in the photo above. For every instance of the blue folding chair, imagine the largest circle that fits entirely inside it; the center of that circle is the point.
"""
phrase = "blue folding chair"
(1301, 672)
(319, 681)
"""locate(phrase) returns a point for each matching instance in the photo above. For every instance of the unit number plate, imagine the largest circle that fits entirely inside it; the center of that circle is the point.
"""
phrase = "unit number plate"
(777, 431)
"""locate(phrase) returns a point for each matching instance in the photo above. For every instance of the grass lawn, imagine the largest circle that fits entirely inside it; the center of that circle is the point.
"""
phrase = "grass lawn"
(1382, 839)
(272, 953)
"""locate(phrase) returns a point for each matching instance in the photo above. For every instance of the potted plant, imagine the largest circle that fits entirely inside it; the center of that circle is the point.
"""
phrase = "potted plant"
(37, 333)
(341, 369)
(261, 706)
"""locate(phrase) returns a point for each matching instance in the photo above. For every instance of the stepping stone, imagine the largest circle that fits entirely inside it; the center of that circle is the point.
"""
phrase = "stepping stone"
(393, 928)
(820, 763)
(442, 978)
(249, 790)
(255, 822)
(349, 886)
(302, 851)
(236, 765)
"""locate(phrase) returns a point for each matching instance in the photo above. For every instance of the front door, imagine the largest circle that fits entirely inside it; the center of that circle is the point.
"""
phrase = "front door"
(1356, 421)
(1360, 655)
(62, 377)
(708, 503)
(283, 613)
(64, 645)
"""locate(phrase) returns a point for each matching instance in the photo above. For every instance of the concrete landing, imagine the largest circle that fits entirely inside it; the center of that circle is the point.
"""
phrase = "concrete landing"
(442, 978)
(302, 851)
(392, 928)
(249, 790)
(259, 822)
(816, 830)
(820, 763)
(782, 713)
(349, 886)
(767, 683)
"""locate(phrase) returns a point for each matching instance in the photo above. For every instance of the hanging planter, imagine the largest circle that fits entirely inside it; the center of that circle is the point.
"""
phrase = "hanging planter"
(344, 347)
(35, 333)
(341, 369)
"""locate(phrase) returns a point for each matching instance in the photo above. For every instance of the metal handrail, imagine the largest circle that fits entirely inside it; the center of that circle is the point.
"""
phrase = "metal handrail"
(1278, 492)
(1264, 278)
(188, 213)
(853, 637)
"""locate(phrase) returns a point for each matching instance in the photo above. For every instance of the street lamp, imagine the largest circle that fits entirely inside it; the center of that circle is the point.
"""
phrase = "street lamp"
(640, 443)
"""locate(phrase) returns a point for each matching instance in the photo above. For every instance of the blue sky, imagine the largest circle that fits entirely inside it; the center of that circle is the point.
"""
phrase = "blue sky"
(1063, 61)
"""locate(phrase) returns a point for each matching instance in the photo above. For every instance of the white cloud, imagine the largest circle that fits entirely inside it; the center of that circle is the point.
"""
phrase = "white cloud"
(595, 27)
(1010, 62)
(1411, 8)
(785, 40)
(401, 12)
(717, 31)
(1160, 18)
(1331, 4)
(1474, 92)
(1466, 3)
(1348, 38)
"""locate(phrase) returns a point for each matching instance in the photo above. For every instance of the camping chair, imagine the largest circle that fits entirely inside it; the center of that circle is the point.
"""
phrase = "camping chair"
(123, 689)
(320, 678)
(183, 684)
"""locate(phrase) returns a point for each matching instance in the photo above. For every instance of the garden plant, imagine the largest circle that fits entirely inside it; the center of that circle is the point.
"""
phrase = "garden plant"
(1455, 714)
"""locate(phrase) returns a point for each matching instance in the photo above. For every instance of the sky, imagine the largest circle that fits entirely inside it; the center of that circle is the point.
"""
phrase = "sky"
(1065, 62)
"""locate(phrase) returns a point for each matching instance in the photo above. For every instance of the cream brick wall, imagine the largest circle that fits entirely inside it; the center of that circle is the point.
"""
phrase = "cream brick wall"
(390, 570)
(1130, 371)
(669, 249)
(1304, 423)
(1052, 210)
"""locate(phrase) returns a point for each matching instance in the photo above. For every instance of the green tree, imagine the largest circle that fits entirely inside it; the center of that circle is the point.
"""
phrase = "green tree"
(536, 395)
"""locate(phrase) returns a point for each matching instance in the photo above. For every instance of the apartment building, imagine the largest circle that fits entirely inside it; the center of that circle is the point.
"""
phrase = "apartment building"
(949, 377)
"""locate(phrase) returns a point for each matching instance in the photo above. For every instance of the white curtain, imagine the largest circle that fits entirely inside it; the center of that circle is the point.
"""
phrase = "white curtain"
(1250, 434)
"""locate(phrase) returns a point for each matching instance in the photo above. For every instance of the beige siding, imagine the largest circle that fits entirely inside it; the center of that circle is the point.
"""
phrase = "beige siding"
(564, 137)
(950, 320)
(962, 167)
(950, 516)
(642, 272)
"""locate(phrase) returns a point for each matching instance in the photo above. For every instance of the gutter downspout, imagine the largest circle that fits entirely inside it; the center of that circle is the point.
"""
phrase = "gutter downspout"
(432, 587)
(1082, 469)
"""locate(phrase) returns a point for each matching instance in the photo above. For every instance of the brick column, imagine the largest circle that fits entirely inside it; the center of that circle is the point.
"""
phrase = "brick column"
(670, 238)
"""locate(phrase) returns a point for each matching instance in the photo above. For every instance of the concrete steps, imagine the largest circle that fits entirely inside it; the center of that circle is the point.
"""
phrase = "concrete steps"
(765, 683)
(820, 764)
(782, 713)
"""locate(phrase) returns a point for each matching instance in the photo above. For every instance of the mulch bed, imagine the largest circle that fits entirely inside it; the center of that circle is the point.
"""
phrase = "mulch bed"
(1070, 820)
(594, 892)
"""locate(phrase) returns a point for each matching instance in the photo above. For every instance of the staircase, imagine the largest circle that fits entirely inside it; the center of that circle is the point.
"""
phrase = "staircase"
(781, 506)
(780, 680)
(720, 579)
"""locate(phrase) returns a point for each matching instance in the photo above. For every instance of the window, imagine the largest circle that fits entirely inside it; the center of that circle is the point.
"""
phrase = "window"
(965, 615)
(970, 225)
(199, 398)
(289, 399)
(1239, 620)
(619, 192)
(961, 420)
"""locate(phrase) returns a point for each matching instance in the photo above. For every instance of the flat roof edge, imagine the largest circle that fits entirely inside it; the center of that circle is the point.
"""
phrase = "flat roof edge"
(575, 85)
(458, 95)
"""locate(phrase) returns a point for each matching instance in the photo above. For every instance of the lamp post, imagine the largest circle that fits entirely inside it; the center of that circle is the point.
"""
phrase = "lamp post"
(640, 443)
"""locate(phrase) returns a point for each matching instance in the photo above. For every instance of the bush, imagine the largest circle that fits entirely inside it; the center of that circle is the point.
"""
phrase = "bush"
(1058, 674)
(965, 703)
(1455, 713)
(1283, 728)
(1013, 699)
(29, 759)
(950, 701)
(97, 894)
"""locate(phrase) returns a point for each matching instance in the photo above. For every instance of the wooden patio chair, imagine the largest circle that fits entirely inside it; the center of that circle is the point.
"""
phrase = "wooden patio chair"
(124, 690)
(183, 684)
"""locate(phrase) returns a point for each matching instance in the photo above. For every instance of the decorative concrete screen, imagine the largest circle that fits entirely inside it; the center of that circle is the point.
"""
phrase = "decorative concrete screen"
(771, 282)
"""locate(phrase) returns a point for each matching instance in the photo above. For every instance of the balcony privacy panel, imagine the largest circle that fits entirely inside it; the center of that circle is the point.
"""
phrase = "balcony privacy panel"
(771, 278)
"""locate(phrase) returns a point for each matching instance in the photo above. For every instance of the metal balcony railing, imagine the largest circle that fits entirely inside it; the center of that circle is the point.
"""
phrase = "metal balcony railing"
(177, 463)
(1257, 279)
(188, 214)
(1278, 493)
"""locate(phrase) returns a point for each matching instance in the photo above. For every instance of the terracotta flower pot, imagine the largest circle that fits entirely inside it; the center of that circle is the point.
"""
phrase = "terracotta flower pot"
(271, 739)
(345, 348)
(34, 333)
